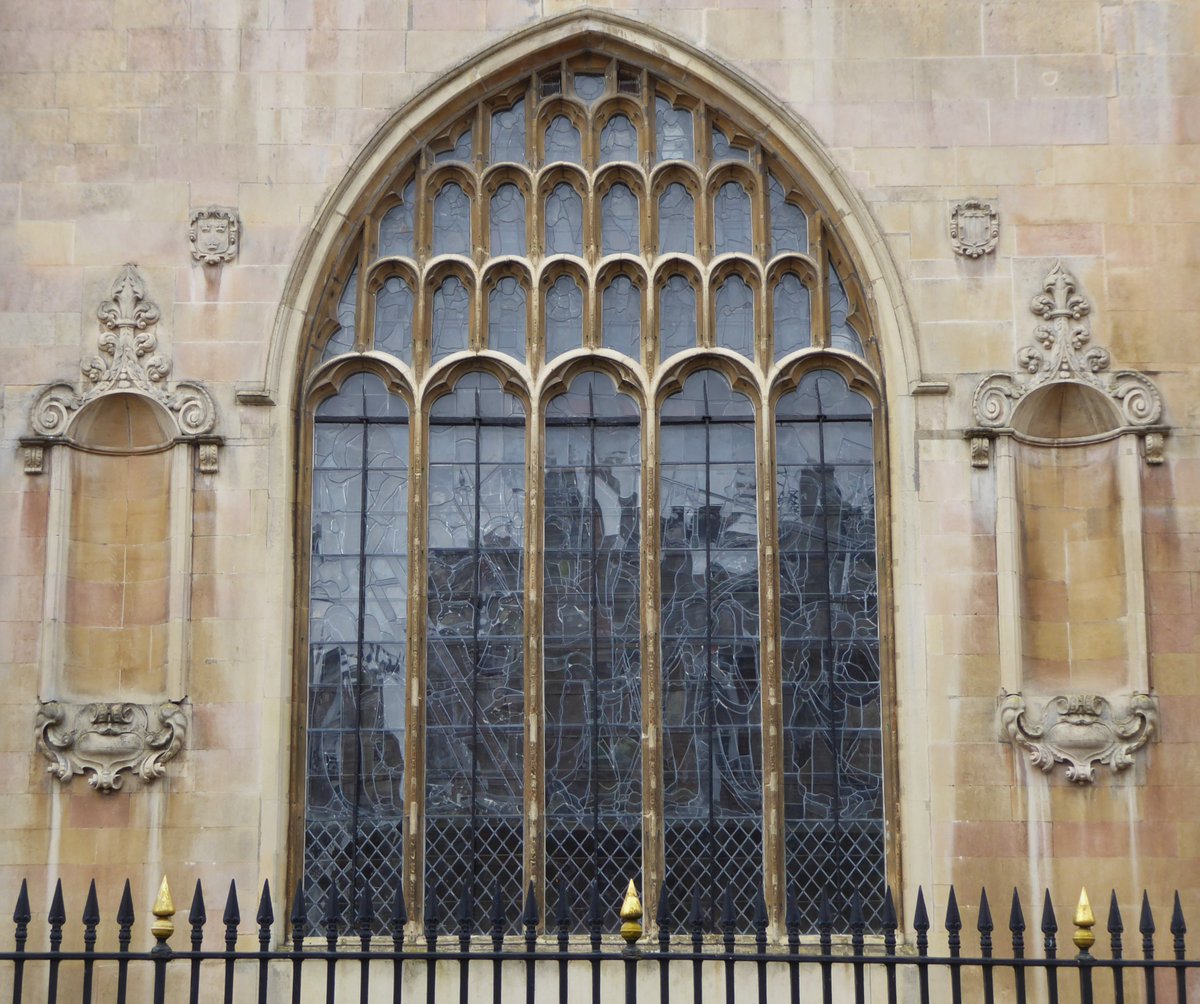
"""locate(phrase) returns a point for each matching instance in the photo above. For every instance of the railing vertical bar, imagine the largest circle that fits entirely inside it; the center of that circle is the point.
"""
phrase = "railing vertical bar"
(1178, 930)
(366, 920)
(664, 920)
(825, 927)
(1016, 925)
(530, 920)
(1050, 946)
(466, 927)
(1115, 929)
(125, 918)
(1146, 927)
(499, 921)
(91, 917)
(921, 926)
(57, 917)
(21, 917)
(889, 943)
(792, 921)
(265, 918)
(299, 931)
(398, 921)
(984, 926)
(728, 930)
(954, 942)
(197, 916)
(595, 921)
(231, 918)
(857, 942)
(696, 928)
(562, 916)
(432, 919)
(760, 944)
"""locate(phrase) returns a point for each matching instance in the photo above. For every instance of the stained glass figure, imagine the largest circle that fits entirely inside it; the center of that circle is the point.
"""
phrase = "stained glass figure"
(461, 150)
(508, 134)
(829, 622)
(722, 149)
(452, 221)
(564, 317)
(711, 696)
(673, 132)
(676, 220)
(507, 213)
(618, 140)
(474, 697)
(396, 228)
(562, 142)
(451, 318)
(789, 225)
(793, 315)
(564, 221)
(394, 319)
(342, 340)
(592, 632)
(357, 635)
(731, 219)
(589, 86)
(619, 227)
(621, 317)
(676, 317)
(506, 317)
(735, 316)
(841, 334)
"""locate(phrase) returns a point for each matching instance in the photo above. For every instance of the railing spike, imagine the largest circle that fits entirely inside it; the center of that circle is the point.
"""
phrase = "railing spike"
(1116, 926)
(562, 911)
(984, 924)
(364, 915)
(663, 918)
(433, 907)
(58, 912)
(197, 915)
(953, 918)
(265, 916)
(233, 913)
(760, 920)
(728, 919)
(1049, 921)
(299, 912)
(530, 915)
(499, 916)
(595, 914)
(1016, 916)
(399, 916)
(465, 915)
(921, 922)
(1178, 926)
(889, 922)
(21, 912)
(1146, 922)
(91, 908)
(696, 915)
(125, 918)
(792, 919)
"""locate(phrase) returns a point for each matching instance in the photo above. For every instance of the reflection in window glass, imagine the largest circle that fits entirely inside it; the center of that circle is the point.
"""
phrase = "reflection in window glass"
(735, 316)
(562, 142)
(676, 317)
(506, 317)
(589, 86)
(357, 636)
(618, 140)
(508, 134)
(676, 221)
(619, 221)
(342, 340)
(722, 149)
(592, 629)
(452, 221)
(394, 318)
(793, 315)
(829, 623)
(460, 151)
(621, 317)
(711, 699)
(731, 219)
(672, 131)
(507, 212)
(396, 228)
(451, 318)
(475, 639)
(564, 317)
(564, 221)
(841, 334)
(789, 225)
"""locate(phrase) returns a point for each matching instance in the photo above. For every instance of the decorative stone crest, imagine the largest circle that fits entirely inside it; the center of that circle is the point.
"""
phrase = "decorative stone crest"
(1079, 730)
(103, 740)
(128, 363)
(1062, 352)
(974, 228)
(213, 234)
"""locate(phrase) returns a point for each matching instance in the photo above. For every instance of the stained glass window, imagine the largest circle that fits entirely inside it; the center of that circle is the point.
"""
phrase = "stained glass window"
(618, 140)
(563, 142)
(342, 339)
(451, 318)
(564, 221)
(394, 318)
(735, 316)
(672, 131)
(676, 220)
(506, 317)
(508, 134)
(793, 315)
(731, 219)
(676, 316)
(396, 228)
(841, 334)
(564, 316)
(619, 221)
(621, 323)
(452, 221)
(508, 221)
(789, 225)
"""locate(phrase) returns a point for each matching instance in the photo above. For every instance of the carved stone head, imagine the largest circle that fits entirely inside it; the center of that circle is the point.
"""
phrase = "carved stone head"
(214, 235)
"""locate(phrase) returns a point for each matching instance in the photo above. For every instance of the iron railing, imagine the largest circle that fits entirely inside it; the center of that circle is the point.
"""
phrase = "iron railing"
(472, 958)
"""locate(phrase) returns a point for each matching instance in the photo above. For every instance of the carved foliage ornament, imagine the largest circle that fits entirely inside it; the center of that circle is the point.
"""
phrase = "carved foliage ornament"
(1080, 730)
(128, 362)
(1062, 351)
(103, 740)
(974, 228)
(214, 234)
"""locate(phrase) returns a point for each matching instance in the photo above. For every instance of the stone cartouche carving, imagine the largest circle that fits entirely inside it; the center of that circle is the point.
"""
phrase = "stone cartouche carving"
(128, 363)
(103, 740)
(1080, 730)
(214, 234)
(974, 228)
(1062, 352)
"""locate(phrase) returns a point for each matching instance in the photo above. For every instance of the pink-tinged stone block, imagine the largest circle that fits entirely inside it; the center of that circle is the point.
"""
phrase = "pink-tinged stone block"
(1049, 121)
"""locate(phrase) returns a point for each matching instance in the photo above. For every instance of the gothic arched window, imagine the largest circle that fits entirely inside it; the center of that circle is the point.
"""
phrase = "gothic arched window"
(592, 592)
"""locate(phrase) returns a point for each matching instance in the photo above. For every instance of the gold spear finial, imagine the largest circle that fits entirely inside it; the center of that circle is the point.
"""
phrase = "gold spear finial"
(164, 910)
(1084, 921)
(631, 915)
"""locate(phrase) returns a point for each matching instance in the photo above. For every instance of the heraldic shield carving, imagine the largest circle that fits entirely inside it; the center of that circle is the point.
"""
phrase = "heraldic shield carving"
(974, 228)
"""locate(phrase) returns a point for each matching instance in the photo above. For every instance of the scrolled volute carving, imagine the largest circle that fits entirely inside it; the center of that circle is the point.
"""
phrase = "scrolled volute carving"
(1079, 730)
(103, 740)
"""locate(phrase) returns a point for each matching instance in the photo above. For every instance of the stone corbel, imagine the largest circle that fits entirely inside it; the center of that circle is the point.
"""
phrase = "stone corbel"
(103, 740)
(1079, 730)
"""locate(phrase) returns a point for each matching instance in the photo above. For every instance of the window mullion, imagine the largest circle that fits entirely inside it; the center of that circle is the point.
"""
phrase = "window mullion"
(535, 714)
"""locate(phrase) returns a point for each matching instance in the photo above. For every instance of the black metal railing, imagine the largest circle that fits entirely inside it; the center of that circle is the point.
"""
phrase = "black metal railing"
(482, 960)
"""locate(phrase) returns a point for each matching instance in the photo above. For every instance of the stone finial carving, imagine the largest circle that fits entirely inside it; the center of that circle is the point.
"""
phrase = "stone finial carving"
(1062, 352)
(974, 228)
(128, 363)
(214, 234)
(103, 740)
(1079, 730)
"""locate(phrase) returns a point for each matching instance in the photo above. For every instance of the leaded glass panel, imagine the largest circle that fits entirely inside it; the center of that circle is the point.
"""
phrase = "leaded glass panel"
(589, 86)
(722, 149)
(618, 140)
(592, 626)
(735, 316)
(563, 142)
(564, 316)
(508, 134)
(789, 225)
(731, 219)
(676, 220)
(832, 739)
(672, 131)
(793, 315)
(461, 150)
(621, 317)
(507, 214)
(342, 340)
(506, 317)
(452, 221)
(451, 318)
(396, 228)
(357, 634)
(841, 334)
(394, 319)
(619, 226)
(564, 221)
(676, 316)
(474, 697)
(711, 679)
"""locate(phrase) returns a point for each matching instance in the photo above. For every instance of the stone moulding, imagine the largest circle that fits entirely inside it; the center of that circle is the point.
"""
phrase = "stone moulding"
(104, 739)
(974, 228)
(1062, 352)
(128, 363)
(1079, 730)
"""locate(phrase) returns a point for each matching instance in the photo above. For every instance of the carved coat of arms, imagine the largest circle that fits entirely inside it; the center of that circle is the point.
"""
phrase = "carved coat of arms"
(214, 235)
(974, 228)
